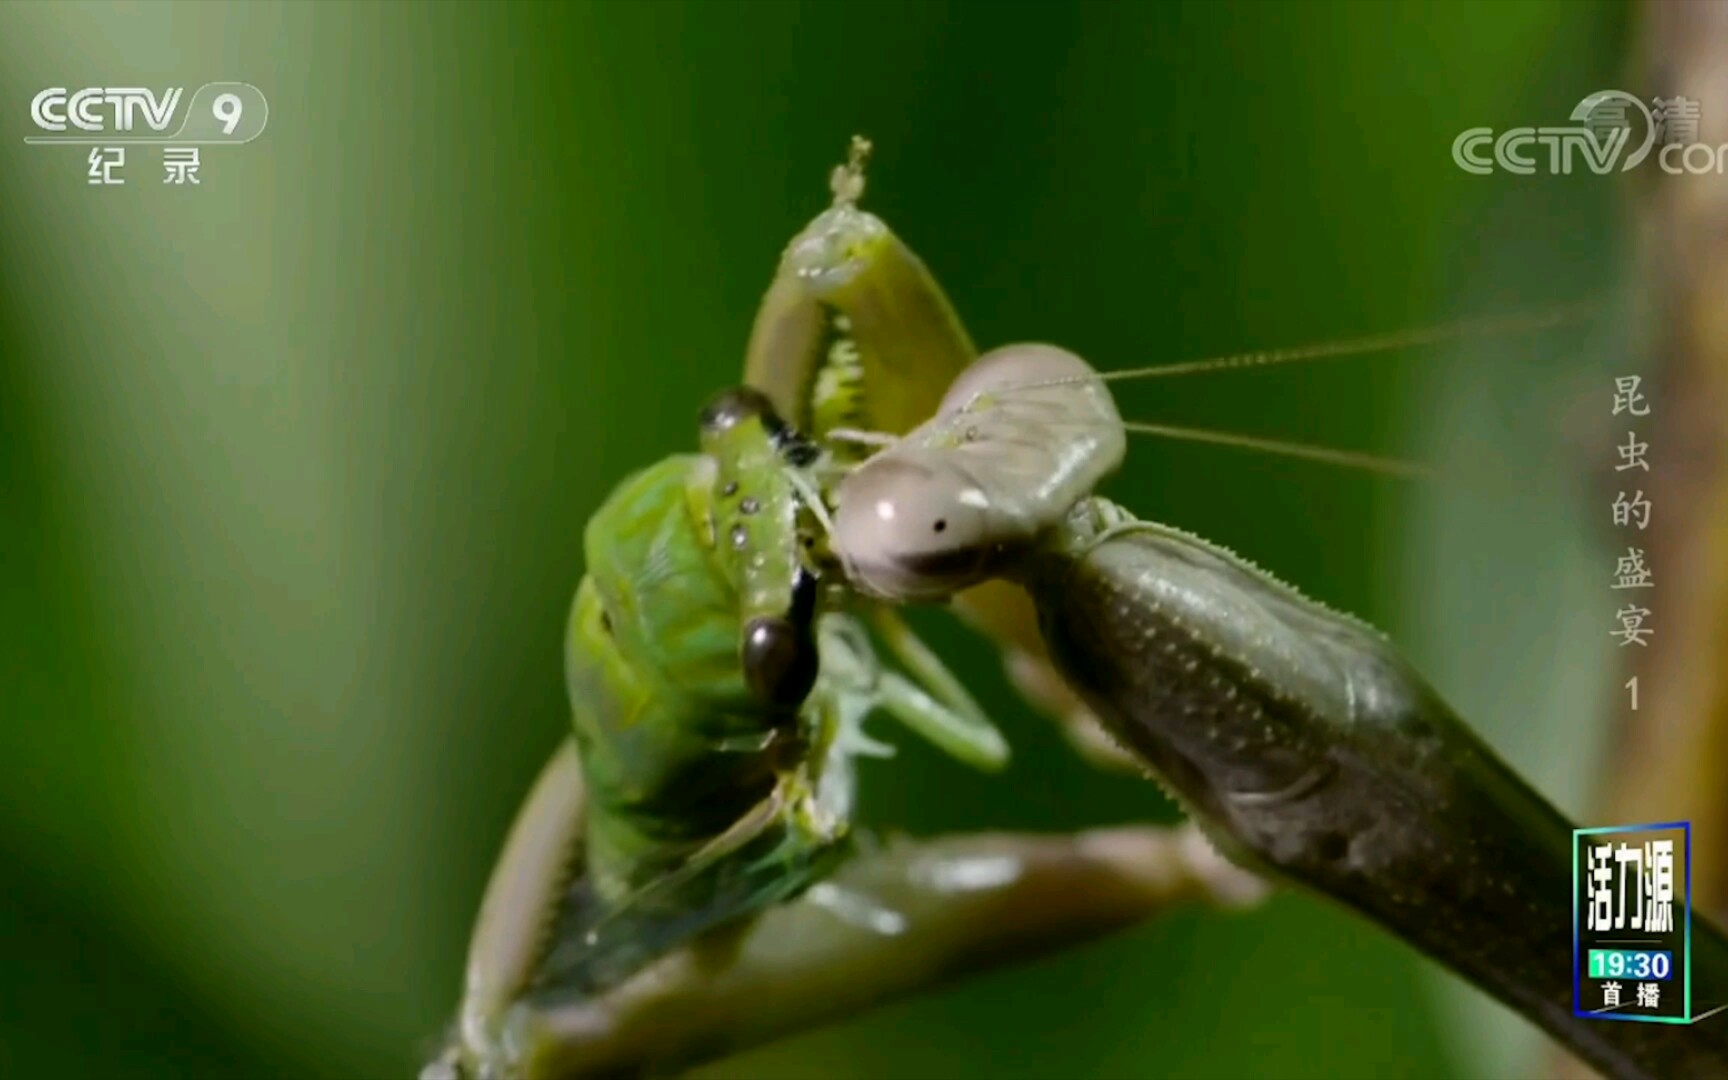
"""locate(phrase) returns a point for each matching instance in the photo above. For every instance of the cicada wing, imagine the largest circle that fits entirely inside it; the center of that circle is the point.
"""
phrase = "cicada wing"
(897, 918)
(766, 857)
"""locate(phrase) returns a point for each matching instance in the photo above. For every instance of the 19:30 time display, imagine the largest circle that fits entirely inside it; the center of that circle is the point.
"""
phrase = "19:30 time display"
(1630, 964)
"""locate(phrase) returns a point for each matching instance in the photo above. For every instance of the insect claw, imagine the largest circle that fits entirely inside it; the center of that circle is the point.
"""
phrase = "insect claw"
(1229, 884)
(847, 181)
(857, 908)
(862, 745)
(753, 743)
(862, 438)
(812, 498)
(448, 1066)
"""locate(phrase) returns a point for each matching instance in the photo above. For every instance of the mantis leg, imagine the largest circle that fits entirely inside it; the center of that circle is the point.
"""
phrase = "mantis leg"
(890, 922)
(848, 267)
(980, 746)
(909, 346)
(1002, 611)
(947, 715)
(515, 922)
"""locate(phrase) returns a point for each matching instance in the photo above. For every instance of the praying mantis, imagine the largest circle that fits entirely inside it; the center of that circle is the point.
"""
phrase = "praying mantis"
(682, 881)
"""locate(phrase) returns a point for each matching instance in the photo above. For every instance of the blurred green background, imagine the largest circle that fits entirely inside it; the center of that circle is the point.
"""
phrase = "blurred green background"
(295, 466)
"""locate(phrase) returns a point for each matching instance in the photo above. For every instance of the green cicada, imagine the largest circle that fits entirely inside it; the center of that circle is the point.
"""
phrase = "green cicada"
(684, 880)
(717, 694)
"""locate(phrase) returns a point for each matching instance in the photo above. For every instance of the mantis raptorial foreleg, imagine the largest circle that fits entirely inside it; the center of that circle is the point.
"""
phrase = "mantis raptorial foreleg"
(515, 922)
(855, 335)
(889, 922)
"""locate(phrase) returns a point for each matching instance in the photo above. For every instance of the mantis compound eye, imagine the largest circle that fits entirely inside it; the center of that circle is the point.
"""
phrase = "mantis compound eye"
(906, 531)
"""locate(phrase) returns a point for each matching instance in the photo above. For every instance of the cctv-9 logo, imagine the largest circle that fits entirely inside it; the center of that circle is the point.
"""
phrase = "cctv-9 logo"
(223, 112)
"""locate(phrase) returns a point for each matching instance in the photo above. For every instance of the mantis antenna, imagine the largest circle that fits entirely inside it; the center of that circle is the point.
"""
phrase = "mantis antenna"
(1489, 326)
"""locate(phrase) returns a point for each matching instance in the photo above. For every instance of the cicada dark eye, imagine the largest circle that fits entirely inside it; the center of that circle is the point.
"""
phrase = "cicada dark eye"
(729, 407)
(780, 660)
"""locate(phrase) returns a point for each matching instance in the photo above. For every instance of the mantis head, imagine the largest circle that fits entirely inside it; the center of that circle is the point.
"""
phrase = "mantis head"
(907, 530)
